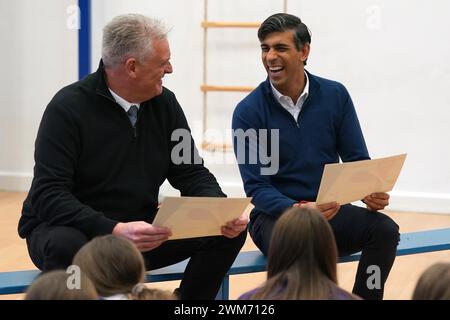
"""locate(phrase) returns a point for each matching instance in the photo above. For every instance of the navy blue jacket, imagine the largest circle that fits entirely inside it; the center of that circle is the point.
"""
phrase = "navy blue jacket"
(327, 128)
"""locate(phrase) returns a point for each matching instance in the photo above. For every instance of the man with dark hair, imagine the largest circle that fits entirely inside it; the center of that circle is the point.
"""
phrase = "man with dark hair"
(284, 22)
(104, 148)
(316, 123)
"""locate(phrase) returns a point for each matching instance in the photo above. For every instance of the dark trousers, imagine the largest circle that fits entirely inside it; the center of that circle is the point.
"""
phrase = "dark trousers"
(53, 247)
(355, 229)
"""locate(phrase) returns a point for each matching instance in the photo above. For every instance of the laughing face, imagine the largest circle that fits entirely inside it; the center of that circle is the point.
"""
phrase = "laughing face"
(283, 62)
(150, 72)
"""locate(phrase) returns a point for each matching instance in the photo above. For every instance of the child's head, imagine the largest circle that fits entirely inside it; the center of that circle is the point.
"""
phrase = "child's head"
(56, 285)
(113, 263)
(303, 239)
(434, 283)
(302, 257)
(142, 292)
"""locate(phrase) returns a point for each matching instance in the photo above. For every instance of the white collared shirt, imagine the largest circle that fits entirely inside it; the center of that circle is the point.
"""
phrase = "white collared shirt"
(122, 102)
(287, 102)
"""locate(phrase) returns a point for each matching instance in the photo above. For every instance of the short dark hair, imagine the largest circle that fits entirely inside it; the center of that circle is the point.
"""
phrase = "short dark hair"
(281, 22)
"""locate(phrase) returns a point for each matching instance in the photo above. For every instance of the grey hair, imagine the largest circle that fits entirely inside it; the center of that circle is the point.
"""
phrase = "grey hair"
(130, 35)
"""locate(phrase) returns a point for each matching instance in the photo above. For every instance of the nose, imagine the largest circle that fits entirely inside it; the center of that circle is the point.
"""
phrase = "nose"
(168, 68)
(271, 55)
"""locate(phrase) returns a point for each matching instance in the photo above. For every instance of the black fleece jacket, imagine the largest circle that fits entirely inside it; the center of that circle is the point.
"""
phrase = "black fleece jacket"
(93, 169)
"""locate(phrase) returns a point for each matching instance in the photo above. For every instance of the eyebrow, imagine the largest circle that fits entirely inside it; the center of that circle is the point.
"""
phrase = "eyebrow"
(276, 45)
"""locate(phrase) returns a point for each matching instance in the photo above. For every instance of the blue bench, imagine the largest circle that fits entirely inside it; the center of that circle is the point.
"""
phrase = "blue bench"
(246, 262)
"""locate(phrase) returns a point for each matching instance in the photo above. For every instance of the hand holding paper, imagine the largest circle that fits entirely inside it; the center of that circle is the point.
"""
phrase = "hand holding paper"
(377, 201)
(328, 210)
(145, 236)
(352, 181)
(190, 217)
(233, 228)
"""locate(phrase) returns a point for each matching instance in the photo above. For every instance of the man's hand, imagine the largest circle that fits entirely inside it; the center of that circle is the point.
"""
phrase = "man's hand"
(329, 210)
(233, 228)
(144, 235)
(377, 201)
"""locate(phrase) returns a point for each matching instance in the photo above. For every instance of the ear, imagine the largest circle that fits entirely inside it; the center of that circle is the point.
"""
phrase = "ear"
(130, 67)
(304, 53)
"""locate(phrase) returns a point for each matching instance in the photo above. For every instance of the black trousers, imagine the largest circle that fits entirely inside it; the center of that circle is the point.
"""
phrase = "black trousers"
(53, 247)
(355, 229)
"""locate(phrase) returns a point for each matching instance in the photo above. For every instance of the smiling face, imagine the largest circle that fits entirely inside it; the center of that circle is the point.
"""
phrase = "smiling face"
(283, 62)
(150, 71)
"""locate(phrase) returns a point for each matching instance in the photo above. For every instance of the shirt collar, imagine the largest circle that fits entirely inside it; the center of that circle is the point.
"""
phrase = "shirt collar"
(122, 102)
(304, 94)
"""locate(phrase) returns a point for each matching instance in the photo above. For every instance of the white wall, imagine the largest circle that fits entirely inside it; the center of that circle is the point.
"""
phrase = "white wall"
(39, 56)
(391, 55)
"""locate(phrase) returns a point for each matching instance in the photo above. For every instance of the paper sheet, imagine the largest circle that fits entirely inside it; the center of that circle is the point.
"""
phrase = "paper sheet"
(352, 181)
(190, 217)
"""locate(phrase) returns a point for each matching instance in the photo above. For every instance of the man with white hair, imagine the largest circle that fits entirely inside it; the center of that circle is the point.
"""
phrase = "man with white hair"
(102, 152)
